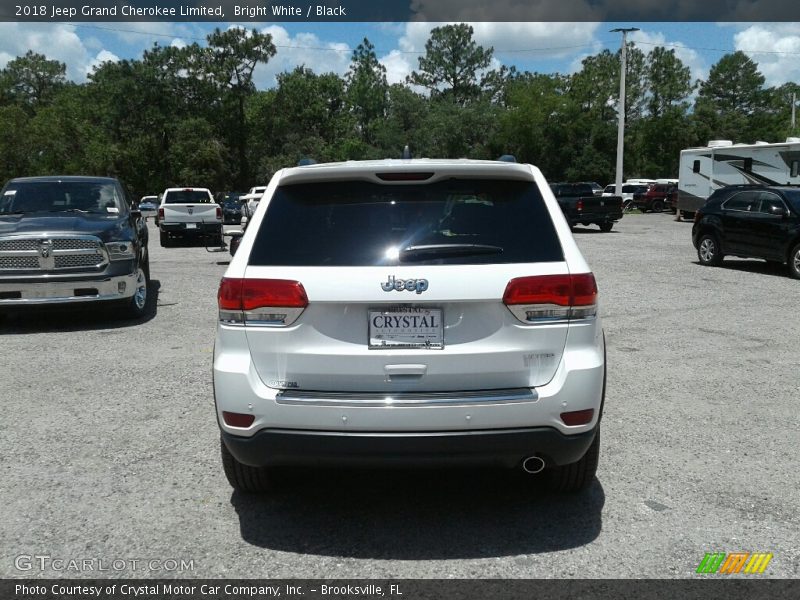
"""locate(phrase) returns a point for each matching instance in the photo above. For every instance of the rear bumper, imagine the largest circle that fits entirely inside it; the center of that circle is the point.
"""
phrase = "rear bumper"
(593, 217)
(183, 228)
(507, 448)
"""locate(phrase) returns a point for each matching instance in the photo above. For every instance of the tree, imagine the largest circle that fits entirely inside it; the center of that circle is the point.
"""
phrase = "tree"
(669, 82)
(729, 98)
(367, 90)
(32, 80)
(310, 117)
(232, 57)
(451, 64)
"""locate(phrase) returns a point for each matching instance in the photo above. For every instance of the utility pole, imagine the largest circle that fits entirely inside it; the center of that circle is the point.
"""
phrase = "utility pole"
(794, 103)
(621, 106)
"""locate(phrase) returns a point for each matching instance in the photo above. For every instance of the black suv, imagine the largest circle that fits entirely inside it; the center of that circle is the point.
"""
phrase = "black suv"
(750, 221)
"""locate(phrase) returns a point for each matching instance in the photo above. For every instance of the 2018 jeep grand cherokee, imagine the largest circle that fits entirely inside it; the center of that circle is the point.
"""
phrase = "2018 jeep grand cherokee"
(414, 311)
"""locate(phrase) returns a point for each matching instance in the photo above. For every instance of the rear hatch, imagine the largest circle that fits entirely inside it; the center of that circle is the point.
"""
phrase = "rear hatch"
(189, 206)
(405, 285)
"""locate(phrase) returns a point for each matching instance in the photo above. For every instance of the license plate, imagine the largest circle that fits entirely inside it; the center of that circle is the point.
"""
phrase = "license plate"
(406, 327)
(191, 226)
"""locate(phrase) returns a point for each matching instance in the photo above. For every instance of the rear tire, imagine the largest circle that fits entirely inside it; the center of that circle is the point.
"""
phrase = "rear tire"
(606, 227)
(163, 237)
(794, 261)
(657, 206)
(579, 475)
(243, 478)
(709, 251)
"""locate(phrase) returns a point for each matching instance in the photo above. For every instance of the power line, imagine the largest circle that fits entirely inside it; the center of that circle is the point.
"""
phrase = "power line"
(602, 43)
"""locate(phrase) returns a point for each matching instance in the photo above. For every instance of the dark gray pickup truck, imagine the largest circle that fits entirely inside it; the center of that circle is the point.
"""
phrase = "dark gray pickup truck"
(69, 240)
(581, 207)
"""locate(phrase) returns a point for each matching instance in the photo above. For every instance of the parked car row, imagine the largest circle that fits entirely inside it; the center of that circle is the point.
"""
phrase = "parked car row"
(582, 207)
(194, 213)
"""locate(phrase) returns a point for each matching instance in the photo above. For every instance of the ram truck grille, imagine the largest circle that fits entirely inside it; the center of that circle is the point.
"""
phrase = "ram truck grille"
(47, 254)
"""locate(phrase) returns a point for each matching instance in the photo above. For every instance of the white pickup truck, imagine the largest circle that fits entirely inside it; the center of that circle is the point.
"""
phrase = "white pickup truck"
(189, 212)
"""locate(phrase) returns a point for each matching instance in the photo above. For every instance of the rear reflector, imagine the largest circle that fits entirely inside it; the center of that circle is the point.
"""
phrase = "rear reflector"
(578, 417)
(404, 176)
(544, 298)
(267, 302)
(237, 419)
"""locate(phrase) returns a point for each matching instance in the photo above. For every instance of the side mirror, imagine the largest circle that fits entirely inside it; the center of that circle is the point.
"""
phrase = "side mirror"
(778, 211)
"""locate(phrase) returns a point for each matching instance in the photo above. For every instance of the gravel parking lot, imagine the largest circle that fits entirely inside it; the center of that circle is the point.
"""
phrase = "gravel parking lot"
(109, 442)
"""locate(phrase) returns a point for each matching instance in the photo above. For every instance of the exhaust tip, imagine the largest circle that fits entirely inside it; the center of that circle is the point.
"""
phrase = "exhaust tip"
(533, 465)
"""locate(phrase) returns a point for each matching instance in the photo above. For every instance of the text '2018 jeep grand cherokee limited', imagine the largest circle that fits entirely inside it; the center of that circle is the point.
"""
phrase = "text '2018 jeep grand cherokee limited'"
(72, 240)
(411, 311)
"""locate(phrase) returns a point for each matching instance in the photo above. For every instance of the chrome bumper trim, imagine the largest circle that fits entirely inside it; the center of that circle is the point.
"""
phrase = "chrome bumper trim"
(406, 399)
(63, 292)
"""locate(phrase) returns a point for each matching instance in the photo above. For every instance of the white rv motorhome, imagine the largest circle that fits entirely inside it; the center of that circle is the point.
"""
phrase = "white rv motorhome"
(721, 163)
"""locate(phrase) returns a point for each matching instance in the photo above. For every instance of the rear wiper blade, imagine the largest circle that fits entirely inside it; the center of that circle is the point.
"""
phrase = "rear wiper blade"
(431, 250)
(12, 212)
(79, 210)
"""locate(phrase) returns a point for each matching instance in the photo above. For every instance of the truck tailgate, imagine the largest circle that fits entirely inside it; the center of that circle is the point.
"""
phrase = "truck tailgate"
(191, 213)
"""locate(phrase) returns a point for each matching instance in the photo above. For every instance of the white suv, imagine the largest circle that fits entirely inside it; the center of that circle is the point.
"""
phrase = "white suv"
(431, 312)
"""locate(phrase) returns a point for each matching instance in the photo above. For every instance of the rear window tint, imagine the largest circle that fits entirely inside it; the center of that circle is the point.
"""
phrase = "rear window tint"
(187, 197)
(367, 224)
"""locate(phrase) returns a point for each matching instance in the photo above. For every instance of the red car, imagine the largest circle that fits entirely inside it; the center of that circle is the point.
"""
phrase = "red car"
(657, 197)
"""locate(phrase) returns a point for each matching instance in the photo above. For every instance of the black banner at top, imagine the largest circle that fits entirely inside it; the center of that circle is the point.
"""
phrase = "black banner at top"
(399, 10)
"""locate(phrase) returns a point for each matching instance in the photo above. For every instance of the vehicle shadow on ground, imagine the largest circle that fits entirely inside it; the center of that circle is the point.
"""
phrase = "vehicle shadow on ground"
(84, 317)
(583, 230)
(401, 515)
(753, 266)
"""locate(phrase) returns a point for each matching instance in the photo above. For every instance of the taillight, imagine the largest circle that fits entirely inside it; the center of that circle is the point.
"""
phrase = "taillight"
(219, 212)
(262, 302)
(161, 214)
(579, 205)
(548, 298)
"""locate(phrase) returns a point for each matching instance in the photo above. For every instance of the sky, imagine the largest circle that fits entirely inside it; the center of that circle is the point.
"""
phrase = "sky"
(326, 47)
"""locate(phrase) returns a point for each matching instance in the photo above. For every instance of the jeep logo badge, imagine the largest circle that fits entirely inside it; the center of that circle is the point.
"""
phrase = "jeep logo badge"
(410, 285)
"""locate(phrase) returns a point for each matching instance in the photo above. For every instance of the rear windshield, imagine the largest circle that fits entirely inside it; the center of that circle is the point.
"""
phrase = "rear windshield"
(367, 224)
(60, 196)
(187, 197)
(572, 189)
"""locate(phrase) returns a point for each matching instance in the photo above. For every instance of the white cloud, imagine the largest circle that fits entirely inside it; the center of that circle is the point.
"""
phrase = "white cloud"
(512, 43)
(690, 58)
(776, 49)
(102, 57)
(302, 49)
(56, 41)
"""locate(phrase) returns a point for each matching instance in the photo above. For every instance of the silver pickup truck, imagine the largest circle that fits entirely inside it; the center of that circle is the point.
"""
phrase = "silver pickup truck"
(189, 212)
